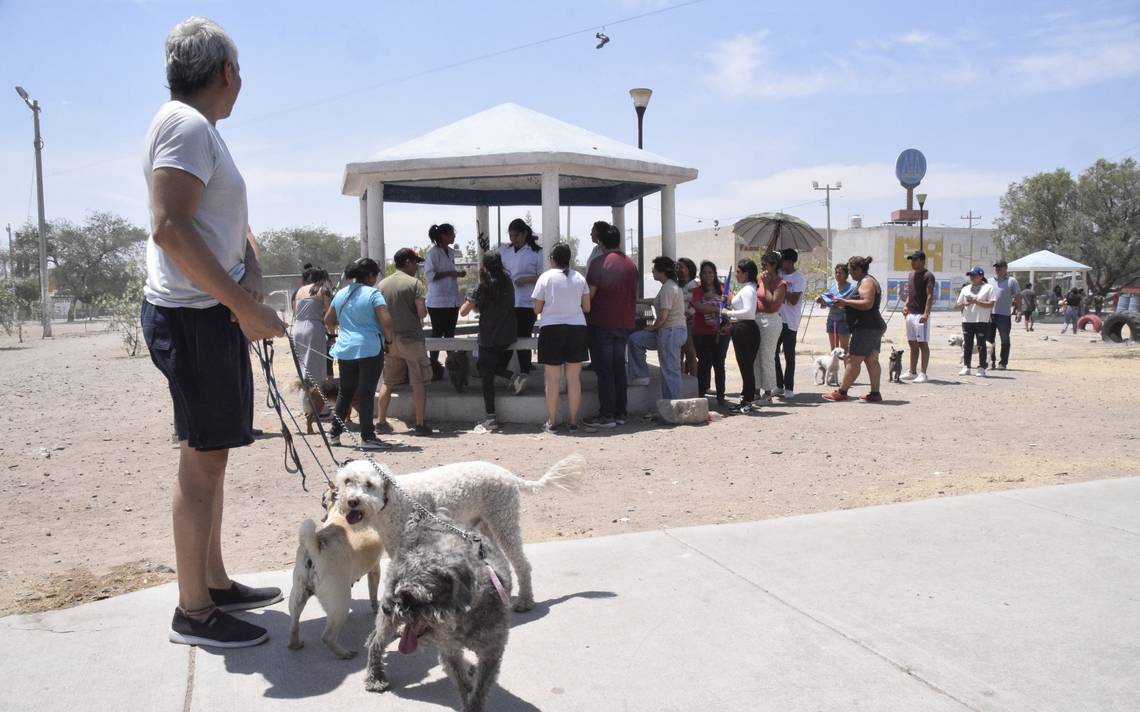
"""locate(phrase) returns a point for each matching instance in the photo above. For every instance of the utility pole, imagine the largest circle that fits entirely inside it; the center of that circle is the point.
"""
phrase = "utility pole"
(970, 218)
(827, 201)
(45, 298)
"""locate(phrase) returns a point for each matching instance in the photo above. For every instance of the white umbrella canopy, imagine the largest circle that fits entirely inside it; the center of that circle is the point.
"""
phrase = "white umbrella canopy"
(778, 231)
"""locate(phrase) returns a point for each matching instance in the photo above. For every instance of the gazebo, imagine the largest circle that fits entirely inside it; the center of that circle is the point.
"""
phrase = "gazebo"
(1051, 262)
(511, 155)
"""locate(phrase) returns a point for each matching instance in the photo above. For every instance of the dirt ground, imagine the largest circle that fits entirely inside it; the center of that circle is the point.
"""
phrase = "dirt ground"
(87, 459)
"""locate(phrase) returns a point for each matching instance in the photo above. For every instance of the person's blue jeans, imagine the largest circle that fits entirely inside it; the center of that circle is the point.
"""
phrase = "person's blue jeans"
(607, 349)
(667, 343)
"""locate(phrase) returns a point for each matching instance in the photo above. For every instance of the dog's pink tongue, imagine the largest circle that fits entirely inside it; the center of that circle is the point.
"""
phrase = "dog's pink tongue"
(408, 641)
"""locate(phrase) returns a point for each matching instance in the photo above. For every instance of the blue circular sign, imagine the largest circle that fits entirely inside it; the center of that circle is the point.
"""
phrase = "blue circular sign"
(910, 168)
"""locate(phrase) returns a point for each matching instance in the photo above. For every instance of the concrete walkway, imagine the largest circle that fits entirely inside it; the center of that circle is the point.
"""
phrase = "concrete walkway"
(1022, 600)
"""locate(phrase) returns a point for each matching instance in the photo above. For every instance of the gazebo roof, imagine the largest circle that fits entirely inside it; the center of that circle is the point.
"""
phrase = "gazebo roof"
(1046, 261)
(496, 157)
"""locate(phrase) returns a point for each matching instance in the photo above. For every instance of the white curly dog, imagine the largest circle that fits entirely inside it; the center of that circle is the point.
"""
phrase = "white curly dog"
(827, 367)
(475, 494)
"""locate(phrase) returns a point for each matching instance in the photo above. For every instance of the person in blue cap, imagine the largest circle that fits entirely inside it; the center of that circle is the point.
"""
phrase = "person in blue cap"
(976, 302)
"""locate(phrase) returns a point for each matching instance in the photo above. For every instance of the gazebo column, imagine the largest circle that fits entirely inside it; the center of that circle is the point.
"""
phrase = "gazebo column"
(482, 225)
(363, 226)
(550, 207)
(669, 221)
(619, 222)
(375, 219)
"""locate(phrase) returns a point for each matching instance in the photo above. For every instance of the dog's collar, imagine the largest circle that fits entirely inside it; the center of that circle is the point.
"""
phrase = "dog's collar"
(499, 587)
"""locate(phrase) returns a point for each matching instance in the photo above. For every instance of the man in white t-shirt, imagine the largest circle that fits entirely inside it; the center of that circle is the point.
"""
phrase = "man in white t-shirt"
(202, 308)
(790, 312)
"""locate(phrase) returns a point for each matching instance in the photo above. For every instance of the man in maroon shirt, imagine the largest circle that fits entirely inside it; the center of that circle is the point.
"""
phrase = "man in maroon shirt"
(612, 278)
(919, 300)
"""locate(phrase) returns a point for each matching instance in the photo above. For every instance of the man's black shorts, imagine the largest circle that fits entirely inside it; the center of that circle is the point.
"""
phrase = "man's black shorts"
(205, 359)
(561, 343)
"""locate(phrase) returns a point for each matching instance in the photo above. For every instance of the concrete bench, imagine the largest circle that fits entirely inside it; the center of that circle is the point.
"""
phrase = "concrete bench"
(458, 344)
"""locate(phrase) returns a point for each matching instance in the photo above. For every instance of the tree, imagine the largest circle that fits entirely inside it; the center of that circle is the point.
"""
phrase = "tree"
(124, 310)
(1094, 219)
(286, 251)
(95, 260)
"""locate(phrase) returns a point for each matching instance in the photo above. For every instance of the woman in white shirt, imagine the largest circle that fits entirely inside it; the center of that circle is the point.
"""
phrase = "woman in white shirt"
(522, 260)
(443, 300)
(745, 331)
(976, 302)
(562, 298)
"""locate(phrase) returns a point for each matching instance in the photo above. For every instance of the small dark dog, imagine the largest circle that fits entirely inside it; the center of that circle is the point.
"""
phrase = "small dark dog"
(896, 365)
(458, 366)
(439, 590)
(323, 395)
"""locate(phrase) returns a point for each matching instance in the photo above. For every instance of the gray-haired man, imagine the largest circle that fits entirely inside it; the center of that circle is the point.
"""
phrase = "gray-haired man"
(203, 306)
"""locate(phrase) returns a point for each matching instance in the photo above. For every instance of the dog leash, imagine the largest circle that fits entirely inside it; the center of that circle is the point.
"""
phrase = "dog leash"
(466, 535)
(274, 399)
(499, 587)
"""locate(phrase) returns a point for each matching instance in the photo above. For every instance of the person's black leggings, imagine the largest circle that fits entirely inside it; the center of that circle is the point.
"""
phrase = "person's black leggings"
(524, 321)
(711, 353)
(970, 333)
(1000, 324)
(746, 344)
(786, 376)
(490, 364)
(358, 377)
(443, 320)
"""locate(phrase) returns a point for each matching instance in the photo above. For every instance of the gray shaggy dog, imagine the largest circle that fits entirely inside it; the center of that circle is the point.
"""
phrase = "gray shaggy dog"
(438, 590)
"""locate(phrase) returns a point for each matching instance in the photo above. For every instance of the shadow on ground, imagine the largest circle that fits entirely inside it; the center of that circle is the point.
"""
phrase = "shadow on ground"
(313, 670)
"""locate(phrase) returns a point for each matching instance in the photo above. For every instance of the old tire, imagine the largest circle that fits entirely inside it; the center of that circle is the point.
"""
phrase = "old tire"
(1110, 330)
(1090, 320)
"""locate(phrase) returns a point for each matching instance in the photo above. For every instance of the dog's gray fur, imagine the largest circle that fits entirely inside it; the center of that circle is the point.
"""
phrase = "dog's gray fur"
(438, 587)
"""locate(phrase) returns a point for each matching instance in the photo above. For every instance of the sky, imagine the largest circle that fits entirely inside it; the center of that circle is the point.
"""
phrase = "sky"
(761, 98)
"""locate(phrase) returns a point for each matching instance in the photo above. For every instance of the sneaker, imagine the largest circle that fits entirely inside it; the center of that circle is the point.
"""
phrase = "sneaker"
(1000, 367)
(385, 427)
(873, 397)
(549, 427)
(619, 420)
(421, 429)
(638, 382)
(779, 392)
(907, 375)
(239, 597)
(600, 422)
(741, 407)
(334, 440)
(980, 373)
(373, 445)
(921, 378)
(576, 428)
(965, 371)
(219, 630)
(785, 394)
(487, 425)
(518, 383)
(835, 396)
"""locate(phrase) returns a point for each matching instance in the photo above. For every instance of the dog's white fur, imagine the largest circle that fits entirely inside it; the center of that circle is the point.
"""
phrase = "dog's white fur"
(827, 367)
(955, 340)
(330, 558)
(476, 494)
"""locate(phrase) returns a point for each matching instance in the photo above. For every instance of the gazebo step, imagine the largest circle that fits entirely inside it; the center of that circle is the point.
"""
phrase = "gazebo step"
(529, 407)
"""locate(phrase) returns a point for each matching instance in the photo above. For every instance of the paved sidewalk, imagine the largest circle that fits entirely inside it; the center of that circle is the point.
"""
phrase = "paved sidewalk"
(1021, 600)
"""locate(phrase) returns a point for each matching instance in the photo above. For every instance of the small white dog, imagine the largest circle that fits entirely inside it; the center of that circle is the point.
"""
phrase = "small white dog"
(475, 494)
(955, 340)
(827, 367)
(330, 558)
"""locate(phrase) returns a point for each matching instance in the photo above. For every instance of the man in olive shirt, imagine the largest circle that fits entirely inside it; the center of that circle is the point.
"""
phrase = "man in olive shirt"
(406, 356)
(919, 300)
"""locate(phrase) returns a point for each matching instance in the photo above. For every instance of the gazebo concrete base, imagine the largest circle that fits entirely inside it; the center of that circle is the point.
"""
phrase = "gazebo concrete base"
(529, 407)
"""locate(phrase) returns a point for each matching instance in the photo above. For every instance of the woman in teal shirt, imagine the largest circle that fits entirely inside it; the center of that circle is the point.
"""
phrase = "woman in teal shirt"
(360, 311)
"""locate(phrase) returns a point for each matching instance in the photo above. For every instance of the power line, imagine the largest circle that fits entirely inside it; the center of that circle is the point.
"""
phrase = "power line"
(421, 73)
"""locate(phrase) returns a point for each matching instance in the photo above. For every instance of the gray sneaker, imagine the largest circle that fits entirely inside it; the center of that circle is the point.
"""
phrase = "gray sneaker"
(218, 630)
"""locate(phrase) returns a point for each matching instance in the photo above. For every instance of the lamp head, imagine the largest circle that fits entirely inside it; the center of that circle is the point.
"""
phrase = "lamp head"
(921, 199)
(640, 97)
(815, 184)
(839, 185)
(23, 94)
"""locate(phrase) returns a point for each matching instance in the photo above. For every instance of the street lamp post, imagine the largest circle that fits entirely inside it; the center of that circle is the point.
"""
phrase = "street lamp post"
(640, 98)
(827, 201)
(45, 298)
(921, 215)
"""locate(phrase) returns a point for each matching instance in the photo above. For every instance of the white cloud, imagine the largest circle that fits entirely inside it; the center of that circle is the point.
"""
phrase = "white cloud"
(1058, 53)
